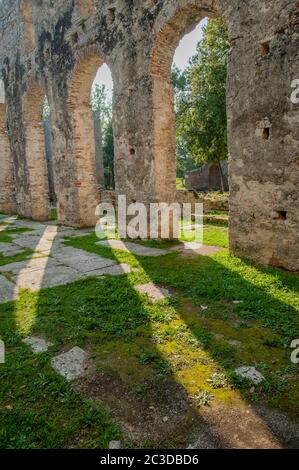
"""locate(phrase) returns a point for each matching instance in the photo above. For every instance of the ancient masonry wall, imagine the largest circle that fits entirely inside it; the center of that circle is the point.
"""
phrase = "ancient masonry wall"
(55, 48)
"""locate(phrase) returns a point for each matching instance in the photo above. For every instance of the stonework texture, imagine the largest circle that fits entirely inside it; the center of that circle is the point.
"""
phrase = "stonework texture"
(55, 48)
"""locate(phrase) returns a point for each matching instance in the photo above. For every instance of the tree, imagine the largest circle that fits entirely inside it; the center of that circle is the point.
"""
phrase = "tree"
(201, 105)
(102, 108)
(108, 152)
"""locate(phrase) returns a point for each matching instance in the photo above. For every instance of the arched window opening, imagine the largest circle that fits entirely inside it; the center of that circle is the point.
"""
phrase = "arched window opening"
(101, 101)
(199, 73)
(46, 118)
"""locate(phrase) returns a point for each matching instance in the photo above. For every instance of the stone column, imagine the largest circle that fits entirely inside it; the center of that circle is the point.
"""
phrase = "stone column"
(35, 156)
(7, 194)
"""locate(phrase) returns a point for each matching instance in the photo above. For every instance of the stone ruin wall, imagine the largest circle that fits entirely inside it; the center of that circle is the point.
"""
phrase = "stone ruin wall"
(55, 48)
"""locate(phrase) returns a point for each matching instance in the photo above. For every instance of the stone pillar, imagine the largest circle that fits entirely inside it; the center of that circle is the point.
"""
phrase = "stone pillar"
(35, 157)
(7, 194)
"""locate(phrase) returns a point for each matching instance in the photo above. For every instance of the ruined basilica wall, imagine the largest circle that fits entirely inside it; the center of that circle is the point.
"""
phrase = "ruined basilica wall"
(137, 39)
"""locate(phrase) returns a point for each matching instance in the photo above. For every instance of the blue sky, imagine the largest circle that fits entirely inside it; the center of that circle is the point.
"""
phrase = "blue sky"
(185, 49)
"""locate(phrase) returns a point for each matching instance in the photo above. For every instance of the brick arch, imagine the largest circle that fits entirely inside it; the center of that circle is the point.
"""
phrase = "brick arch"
(85, 190)
(170, 31)
(35, 156)
(7, 194)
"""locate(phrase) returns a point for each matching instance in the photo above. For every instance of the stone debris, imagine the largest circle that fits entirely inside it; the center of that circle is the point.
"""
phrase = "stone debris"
(134, 248)
(153, 291)
(250, 373)
(235, 343)
(114, 445)
(72, 364)
(38, 345)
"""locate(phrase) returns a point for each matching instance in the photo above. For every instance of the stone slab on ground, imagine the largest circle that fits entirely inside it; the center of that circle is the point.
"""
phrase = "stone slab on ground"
(37, 345)
(81, 260)
(44, 278)
(10, 249)
(194, 248)
(32, 264)
(153, 291)
(72, 364)
(8, 290)
(250, 373)
(116, 270)
(134, 248)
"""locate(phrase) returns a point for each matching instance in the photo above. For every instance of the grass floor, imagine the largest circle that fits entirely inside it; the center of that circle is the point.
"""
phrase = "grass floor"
(170, 358)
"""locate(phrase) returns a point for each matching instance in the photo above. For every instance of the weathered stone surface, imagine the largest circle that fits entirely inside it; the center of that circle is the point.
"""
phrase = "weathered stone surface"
(114, 445)
(115, 270)
(153, 291)
(10, 249)
(38, 345)
(250, 373)
(8, 291)
(48, 277)
(81, 260)
(72, 364)
(194, 248)
(134, 248)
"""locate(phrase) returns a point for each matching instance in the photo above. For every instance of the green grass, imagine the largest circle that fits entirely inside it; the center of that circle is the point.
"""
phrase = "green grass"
(180, 183)
(147, 348)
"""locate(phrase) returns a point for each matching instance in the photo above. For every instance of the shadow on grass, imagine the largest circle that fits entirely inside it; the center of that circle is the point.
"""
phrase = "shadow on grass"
(153, 360)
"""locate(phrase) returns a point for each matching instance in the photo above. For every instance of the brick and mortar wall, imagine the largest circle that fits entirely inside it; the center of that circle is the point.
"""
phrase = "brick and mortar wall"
(66, 41)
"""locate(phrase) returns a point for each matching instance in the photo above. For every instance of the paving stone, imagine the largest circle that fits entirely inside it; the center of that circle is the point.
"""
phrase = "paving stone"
(153, 291)
(250, 373)
(33, 264)
(116, 270)
(134, 248)
(81, 260)
(72, 364)
(43, 278)
(36, 242)
(194, 248)
(114, 445)
(10, 249)
(38, 345)
(8, 290)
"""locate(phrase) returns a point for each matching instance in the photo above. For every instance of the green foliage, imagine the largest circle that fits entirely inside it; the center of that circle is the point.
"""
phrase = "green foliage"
(200, 101)
(103, 107)
(108, 154)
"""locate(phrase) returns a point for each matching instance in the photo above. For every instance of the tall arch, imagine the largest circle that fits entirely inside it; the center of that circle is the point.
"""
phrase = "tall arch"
(183, 21)
(36, 164)
(84, 191)
(7, 194)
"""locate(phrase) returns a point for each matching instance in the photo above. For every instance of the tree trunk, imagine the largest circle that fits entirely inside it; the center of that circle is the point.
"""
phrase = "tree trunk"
(99, 150)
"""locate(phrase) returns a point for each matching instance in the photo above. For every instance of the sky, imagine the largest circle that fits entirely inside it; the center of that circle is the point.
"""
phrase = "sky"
(185, 49)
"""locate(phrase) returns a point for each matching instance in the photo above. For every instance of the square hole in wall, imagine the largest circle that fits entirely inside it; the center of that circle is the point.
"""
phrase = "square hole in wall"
(266, 133)
(265, 48)
(280, 215)
(111, 15)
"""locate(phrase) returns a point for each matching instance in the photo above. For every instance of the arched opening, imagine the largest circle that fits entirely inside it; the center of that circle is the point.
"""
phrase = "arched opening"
(46, 118)
(185, 93)
(38, 204)
(101, 101)
(199, 76)
(7, 195)
(87, 152)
